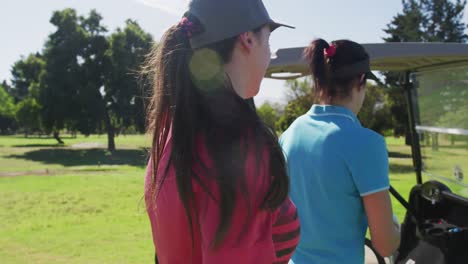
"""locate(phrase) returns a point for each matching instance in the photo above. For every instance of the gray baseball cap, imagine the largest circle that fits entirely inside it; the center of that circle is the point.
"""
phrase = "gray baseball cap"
(223, 19)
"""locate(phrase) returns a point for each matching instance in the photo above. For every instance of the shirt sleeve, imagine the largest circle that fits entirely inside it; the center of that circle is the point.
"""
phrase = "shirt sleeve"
(368, 163)
(286, 231)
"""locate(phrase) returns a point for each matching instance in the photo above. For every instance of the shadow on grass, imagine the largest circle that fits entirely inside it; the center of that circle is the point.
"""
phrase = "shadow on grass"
(86, 157)
(445, 147)
(393, 154)
(395, 180)
(55, 145)
(42, 137)
(398, 168)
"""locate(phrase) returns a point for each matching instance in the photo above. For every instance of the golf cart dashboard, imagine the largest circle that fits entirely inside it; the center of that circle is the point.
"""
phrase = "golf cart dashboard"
(439, 203)
(435, 229)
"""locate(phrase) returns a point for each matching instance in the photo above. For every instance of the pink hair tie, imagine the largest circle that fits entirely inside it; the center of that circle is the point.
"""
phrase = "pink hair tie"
(330, 51)
(187, 26)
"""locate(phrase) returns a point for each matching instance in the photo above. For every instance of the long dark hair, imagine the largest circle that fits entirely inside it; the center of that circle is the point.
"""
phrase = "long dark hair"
(195, 107)
(327, 84)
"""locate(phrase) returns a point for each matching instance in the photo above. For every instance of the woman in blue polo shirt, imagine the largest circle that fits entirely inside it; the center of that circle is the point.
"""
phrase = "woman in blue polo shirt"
(339, 169)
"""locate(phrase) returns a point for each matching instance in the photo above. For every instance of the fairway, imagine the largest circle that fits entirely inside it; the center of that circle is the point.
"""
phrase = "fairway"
(73, 205)
(70, 204)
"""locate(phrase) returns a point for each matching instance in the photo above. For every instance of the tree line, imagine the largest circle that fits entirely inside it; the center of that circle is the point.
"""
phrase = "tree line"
(85, 78)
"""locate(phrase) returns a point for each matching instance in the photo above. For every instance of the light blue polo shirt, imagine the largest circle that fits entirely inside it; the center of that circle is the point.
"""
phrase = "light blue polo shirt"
(333, 161)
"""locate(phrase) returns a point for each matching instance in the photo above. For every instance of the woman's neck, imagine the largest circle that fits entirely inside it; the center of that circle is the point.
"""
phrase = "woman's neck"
(347, 103)
(235, 77)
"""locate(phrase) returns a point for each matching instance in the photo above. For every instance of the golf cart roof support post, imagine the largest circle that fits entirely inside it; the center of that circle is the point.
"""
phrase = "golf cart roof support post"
(415, 146)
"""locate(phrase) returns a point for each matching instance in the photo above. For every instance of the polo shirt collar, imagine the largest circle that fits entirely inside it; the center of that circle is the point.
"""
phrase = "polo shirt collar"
(333, 110)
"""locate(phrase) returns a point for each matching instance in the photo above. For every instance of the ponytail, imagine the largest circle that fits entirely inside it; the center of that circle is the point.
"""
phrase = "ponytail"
(167, 69)
(335, 67)
(320, 68)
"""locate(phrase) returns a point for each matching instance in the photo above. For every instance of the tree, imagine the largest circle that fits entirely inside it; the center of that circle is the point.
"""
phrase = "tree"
(7, 111)
(28, 115)
(420, 21)
(27, 73)
(63, 52)
(7, 106)
(125, 99)
(428, 21)
(7, 87)
(406, 27)
(268, 114)
(89, 82)
(443, 20)
(375, 111)
(300, 96)
(93, 71)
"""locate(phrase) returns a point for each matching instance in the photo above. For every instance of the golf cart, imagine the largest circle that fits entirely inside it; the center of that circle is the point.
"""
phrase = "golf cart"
(435, 228)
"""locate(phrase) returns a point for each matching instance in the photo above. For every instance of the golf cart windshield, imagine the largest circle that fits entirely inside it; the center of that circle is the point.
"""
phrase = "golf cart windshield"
(441, 119)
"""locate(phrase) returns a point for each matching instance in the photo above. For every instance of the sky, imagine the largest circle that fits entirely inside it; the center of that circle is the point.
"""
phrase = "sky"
(24, 24)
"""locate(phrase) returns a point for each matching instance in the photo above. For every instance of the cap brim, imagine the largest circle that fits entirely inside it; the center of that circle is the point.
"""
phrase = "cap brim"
(371, 76)
(274, 25)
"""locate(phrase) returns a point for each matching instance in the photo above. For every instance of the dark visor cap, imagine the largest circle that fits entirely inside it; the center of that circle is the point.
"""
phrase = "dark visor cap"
(361, 67)
(223, 19)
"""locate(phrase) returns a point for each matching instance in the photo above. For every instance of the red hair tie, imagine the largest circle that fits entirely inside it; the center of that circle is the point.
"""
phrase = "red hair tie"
(329, 52)
(187, 26)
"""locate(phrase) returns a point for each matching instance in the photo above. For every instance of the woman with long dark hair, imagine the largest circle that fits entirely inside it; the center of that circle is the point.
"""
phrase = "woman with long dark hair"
(339, 169)
(216, 188)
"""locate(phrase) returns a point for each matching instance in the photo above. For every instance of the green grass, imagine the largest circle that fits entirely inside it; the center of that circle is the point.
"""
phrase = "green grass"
(128, 141)
(72, 205)
(402, 176)
(39, 155)
(74, 219)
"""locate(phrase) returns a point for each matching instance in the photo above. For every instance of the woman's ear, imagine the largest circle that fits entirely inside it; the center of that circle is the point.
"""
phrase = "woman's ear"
(246, 41)
(363, 77)
(362, 81)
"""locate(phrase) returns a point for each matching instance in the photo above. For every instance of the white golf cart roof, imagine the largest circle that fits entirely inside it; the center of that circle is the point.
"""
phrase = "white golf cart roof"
(289, 63)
